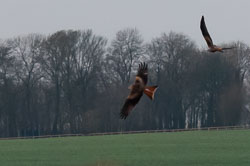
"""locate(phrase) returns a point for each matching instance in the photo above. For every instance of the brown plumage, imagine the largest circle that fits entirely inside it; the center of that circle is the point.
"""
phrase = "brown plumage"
(212, 47)
(137, 89)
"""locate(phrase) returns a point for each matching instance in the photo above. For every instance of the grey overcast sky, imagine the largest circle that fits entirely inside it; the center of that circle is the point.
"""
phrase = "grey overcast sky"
(227, 20)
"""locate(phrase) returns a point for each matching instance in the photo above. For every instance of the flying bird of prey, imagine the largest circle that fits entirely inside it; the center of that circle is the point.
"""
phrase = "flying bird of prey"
(212, 47)
(137, 89)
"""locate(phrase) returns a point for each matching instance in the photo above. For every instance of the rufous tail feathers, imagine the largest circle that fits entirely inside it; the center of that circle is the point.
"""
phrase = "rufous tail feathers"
(227, 48)
(150, 91)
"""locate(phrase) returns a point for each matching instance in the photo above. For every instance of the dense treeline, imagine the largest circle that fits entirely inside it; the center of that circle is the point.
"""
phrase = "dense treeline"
(76, 82)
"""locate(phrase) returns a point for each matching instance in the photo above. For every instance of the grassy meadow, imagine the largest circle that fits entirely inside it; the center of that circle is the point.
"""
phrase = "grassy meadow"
(190, 148)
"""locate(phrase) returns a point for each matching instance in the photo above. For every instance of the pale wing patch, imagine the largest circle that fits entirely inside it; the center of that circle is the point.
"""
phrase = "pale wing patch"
(139, 79)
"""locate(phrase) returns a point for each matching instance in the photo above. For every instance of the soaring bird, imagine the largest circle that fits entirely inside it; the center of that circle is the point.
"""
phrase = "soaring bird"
(137, 89)
(212, 47)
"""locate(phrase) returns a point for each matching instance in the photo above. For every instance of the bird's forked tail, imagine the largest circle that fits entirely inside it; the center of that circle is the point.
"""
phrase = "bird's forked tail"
(227, 48)
(150, 91)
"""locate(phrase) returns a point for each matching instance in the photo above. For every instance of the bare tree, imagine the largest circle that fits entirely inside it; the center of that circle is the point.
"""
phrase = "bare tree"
(171, 55)
(89, 51)
(28, 73)
(54, 54)
(8, 96)
(125, 51)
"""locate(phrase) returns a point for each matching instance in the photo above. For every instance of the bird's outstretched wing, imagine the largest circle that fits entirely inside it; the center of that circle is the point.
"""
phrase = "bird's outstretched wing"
(133, 98)
(143, 72)
(205, 32)
(129, 105)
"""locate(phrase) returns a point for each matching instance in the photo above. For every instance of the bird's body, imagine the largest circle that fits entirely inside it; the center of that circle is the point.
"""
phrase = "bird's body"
(136, 91)
(215, 48)
(211, 46)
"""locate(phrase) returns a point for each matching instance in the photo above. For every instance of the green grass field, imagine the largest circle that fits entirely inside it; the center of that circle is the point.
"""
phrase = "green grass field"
(206, 148)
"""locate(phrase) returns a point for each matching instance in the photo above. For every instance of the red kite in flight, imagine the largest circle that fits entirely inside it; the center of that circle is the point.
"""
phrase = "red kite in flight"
(212, 47)
(137, 89)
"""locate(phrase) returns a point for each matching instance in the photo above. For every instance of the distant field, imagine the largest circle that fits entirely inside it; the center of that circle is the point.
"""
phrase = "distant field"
(190, 148)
